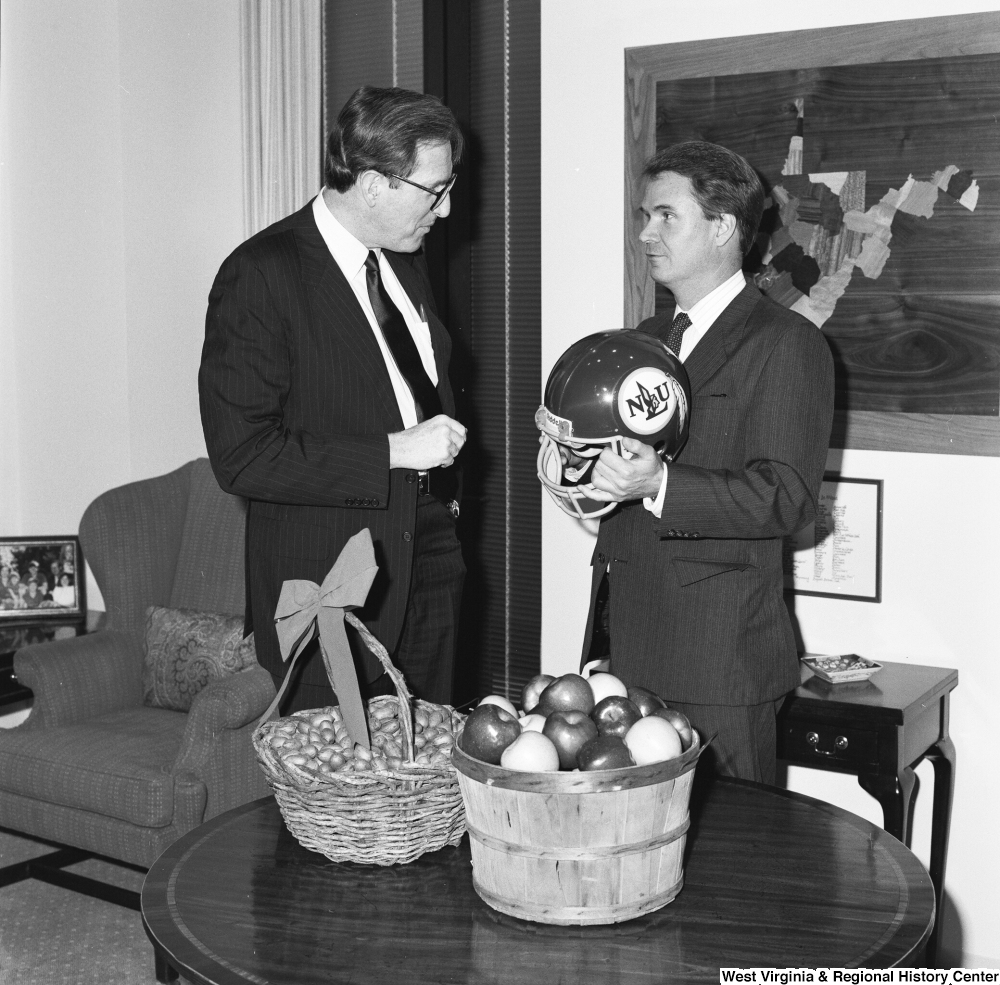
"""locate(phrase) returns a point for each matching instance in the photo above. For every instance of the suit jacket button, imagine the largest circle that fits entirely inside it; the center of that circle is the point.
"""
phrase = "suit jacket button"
(407, 536)
(411, 476)
(374, 502)
(349, 501)
(601, 559)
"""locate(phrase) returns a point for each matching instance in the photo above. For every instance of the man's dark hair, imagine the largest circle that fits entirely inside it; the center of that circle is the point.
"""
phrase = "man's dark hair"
(722, 182)
(381, 129)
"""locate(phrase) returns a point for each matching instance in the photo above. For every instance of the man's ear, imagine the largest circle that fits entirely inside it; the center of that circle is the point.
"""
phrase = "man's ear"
(370, 186)
(727, 229)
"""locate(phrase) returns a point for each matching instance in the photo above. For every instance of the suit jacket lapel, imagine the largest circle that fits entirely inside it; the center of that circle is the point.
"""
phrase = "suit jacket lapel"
(334, 301)
(719, 341)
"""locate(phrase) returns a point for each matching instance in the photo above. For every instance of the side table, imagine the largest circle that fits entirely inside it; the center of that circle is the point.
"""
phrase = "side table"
(16, 637)
(880, 730)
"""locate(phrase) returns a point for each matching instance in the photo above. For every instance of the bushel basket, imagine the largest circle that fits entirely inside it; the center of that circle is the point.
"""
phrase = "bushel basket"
(578, 848)
(392, 814)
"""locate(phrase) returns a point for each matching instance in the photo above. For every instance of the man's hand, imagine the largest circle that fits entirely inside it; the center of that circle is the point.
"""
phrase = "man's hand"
(427, 445)
(616, 479)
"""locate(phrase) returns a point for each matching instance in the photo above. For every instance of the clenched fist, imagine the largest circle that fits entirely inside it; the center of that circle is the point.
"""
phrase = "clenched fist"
(427, 445)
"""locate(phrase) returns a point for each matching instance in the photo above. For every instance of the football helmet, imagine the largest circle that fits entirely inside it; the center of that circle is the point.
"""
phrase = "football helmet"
(608, 386)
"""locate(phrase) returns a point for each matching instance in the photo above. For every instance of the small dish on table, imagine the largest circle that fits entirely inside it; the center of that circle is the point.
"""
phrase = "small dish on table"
(840, 668)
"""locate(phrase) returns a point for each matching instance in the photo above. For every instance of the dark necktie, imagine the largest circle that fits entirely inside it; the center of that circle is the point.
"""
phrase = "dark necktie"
(400, 342)
(680, 324)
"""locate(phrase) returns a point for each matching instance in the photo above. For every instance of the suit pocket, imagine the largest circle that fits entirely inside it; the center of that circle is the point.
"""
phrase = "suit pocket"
(690, 570)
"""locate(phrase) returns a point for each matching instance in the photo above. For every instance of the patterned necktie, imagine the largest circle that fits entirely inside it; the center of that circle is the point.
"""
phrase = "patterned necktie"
(680, 323)
(400, 341)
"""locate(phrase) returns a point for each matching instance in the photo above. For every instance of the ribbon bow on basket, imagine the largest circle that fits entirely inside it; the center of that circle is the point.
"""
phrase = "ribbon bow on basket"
(306, 610)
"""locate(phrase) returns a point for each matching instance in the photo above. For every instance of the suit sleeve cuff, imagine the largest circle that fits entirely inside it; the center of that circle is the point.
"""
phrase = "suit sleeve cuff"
(655, 506)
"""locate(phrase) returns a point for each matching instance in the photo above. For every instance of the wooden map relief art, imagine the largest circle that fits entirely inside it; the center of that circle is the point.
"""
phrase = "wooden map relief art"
(881, 223)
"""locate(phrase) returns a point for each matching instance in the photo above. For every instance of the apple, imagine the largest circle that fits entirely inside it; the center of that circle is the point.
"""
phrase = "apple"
(645, 700)
(488, 730)
(615, 715)
(531, 751)
(531, 691)
(652, 740)
(569, 732)
(571, 692)
(681, 722)
(497, 699)
(532, 723)
(606, 752)
(606, 684)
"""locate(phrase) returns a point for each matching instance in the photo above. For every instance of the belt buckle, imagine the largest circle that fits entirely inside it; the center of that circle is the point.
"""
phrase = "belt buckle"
(423, 483)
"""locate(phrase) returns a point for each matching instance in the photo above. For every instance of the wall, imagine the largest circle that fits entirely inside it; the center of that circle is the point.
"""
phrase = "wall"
(120, 195)
(940, 581)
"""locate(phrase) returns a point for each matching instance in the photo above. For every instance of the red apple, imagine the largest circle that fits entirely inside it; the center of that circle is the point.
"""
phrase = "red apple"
(645, 700)
(652, 740)
(615, 715)
(681, 722)
(571, 692)
(488, 730)
(606, 752)
(531, 691)
(531, 751)
(569, 732)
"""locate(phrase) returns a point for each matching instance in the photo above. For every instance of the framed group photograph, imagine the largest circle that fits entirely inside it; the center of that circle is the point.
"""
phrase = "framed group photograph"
(839, 555)
(41, 580)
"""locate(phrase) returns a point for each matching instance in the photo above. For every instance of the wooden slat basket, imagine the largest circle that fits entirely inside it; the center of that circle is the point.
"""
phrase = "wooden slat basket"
(578, 847)
(384, 817)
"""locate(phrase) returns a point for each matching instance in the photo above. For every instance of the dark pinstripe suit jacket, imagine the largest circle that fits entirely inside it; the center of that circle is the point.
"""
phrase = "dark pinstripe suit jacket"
(296, 403)
(696, 610)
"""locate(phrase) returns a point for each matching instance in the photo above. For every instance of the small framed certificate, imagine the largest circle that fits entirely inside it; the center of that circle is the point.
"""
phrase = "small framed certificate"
(839, 555)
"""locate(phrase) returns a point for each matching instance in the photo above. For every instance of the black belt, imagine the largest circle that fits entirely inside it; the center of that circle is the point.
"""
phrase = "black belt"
(440, 483)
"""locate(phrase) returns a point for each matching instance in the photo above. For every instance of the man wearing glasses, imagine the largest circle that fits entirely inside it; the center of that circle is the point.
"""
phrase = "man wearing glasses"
(325, 397)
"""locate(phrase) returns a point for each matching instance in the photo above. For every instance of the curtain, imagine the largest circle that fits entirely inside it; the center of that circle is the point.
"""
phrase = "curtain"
(282, 75)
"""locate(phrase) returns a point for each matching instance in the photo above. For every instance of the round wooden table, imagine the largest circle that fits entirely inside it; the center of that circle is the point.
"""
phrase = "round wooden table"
(772, 879)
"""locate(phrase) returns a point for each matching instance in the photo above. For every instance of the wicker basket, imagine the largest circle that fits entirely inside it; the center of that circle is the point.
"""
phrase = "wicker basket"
(379, 818)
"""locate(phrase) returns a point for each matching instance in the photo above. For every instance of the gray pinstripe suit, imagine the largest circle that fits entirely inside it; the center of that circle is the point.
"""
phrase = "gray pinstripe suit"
(696, 605)
(296, 404)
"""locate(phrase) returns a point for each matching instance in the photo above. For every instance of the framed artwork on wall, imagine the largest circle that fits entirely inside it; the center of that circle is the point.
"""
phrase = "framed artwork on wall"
(41, 580)
(878, 148)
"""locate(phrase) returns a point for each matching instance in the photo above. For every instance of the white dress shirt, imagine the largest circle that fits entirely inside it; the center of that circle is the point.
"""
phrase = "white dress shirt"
(350, 255)
(703, 315)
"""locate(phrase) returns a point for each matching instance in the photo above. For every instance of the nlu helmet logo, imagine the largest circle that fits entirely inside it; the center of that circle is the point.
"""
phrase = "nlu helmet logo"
(647, 400)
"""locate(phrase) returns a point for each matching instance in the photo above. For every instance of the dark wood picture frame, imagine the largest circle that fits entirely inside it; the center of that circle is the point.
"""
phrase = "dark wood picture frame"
(49, 563)
(866, 535)
(862, 44)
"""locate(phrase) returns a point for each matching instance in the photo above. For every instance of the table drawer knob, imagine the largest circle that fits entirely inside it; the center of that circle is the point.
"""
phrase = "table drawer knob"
(840, 743)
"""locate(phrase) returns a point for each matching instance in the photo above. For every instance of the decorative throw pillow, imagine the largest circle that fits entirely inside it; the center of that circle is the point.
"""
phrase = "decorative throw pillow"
(187, 650)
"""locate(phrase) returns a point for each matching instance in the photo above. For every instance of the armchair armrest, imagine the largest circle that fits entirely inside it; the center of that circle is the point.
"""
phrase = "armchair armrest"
(79, 678)
(231, 703)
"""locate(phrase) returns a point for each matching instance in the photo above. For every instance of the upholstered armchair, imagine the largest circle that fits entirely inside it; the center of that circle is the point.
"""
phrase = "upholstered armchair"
(93, 766)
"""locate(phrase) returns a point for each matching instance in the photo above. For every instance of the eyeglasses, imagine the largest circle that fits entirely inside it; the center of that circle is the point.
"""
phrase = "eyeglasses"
(439, 197)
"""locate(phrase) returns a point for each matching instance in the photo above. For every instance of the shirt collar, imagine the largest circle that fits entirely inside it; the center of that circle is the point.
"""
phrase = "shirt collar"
(715, 302)
(349, 252)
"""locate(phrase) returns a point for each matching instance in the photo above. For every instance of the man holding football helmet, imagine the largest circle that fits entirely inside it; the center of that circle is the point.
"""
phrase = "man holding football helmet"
(689, 565)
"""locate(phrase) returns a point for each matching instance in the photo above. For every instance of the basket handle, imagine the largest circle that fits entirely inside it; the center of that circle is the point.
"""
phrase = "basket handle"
(405, 698)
